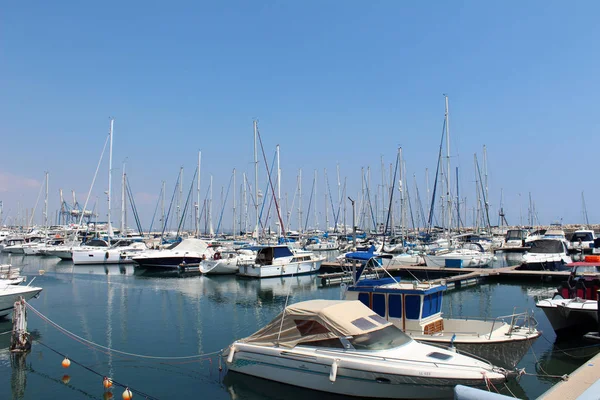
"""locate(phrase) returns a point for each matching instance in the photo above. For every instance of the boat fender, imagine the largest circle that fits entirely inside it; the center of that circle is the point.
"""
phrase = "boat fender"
(333, 372)
(106, 255)
(230, 355)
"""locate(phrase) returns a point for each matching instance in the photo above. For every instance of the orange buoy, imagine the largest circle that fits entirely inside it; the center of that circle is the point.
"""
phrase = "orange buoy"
(592, 258)
(66, 363)
(107, 382)
(107, 396)
(66, 379)
(127, 395)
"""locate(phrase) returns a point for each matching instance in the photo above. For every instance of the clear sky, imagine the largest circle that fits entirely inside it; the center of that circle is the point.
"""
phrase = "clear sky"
(329, 81)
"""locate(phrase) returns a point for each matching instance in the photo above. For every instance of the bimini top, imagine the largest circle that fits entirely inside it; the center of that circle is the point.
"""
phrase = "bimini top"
(313, 320)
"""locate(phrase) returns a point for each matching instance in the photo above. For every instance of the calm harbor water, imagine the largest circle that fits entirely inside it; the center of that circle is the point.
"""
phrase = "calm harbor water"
(173, 315)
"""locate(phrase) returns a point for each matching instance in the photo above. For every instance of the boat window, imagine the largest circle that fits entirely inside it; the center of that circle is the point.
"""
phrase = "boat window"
(515, 235)
(378, 319)
(439, 356)
(431, 304)
(329, 343)
(395, 306)
(413, 306)
(381, 339)
(308, 327)
(279, 252)
(363, 323)
(379, 303)
(583, 236)
(364, 298)
(546, 246)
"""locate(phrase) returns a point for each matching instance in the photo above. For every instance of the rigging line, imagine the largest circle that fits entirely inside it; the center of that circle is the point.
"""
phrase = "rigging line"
(136, 216)
(312, 191)
(187, 201)
(90, 191)
(64, 330)
(224, 203)
(389, 214)
(370, 204)
(262, 208)
(271, 184)
(96, 372)
(162, 234)
(437, 172)
(156, 209)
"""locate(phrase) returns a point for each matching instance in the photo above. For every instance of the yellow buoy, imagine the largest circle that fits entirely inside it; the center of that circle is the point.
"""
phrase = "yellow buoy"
(66, 363)
(66, 379)
(107, 383)
(127, 395)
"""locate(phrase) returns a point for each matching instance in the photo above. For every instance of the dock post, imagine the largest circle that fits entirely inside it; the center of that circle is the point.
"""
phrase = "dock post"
(20, 340)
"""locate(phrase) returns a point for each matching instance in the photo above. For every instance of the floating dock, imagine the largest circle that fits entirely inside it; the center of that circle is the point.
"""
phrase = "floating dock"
(583, 383)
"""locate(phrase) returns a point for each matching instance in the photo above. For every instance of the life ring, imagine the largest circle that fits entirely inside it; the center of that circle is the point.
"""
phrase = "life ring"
(217, 256)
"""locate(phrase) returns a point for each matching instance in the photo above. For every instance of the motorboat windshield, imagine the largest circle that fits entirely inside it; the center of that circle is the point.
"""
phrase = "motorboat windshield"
(546, 246)
(386, 338)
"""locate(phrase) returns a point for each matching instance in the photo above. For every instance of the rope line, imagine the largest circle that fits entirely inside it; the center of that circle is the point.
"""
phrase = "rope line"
(90, 343)
(147, 396)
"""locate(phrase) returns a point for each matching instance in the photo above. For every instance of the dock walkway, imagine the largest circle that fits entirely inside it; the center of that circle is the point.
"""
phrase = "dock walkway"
(582, 383)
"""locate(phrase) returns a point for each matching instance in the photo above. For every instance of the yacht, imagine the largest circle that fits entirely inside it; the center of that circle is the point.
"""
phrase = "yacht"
(226, 262)
(582, 240)
(468, 255)
(10, 293)
(280, 260)
(343, 347)
(99, 251)
(187, 251)
(546, 255)
(574, 307)
(416, 308)
(514, 240)
(14, 245)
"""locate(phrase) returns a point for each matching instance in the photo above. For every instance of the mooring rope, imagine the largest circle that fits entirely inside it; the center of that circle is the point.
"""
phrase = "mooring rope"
(147, 396)
(88, 342)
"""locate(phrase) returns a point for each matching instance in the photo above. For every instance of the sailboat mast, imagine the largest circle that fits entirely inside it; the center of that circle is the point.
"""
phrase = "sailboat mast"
(210, 201)
(300, 200)
(279, 227)
(110, 134)
(162, 206)
(448, 198)
(233, 224)
(339, 193)
(123, 205)
(315, 192)
(245, 201)
(256, 180)
(46, 206)
(198, 195)
(325, 197)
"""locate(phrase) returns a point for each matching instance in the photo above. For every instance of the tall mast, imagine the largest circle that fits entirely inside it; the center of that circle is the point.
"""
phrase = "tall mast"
(179, 195)
(315, 201)
(245, 201)
(325, 197)
(448, 198)
(279, 227)
(162, 207)
(485, 174)
(339, 184)
(46, 206)
(198, 195)
(233, 225)
(123, 204)
(256, 180)
(300, 200)
(110, 134)
(211, 230)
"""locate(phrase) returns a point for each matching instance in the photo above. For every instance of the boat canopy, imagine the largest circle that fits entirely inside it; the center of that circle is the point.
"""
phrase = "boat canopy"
(315, 320)
(546, 246)
(191, 245)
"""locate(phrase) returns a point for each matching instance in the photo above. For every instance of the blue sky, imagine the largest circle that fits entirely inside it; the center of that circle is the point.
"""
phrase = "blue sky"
(330, 82)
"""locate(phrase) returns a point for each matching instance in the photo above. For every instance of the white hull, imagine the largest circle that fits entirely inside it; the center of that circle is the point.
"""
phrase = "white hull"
(89, 257)
(468, 259)
(219, 267)
(267, 271)
(370, 375)
(63, 254)
(14, 249)
(570, 314)
(10, 294)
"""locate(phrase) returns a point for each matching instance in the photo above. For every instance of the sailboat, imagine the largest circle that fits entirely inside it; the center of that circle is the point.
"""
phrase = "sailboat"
(99, 251)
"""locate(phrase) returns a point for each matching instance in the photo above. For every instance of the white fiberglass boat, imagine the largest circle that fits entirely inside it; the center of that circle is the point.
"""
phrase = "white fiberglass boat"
(470, 255)
(188, 251)
(14, 246)
(546, 255)
(280, 261)
(10, 293)
(416, 308)
(343, 347)
(98, 251)
(226, 262)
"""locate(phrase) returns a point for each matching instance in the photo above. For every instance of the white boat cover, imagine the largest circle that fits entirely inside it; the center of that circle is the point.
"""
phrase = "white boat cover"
(314, 320)
(192, 244)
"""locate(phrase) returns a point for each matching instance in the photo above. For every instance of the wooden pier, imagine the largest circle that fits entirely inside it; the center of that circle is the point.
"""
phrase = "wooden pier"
(453, 277)
(583, 383)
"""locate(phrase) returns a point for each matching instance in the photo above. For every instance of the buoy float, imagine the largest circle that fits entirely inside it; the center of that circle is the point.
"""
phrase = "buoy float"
(127, 395)
(107, 383)
(66, 363)
(66, 379)
(107, 396)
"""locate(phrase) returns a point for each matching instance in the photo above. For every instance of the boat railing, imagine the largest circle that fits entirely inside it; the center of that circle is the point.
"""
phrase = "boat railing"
(518, 320)
(382, 358)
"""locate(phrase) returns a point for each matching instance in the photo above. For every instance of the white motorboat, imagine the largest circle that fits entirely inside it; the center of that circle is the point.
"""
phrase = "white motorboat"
(98, 251)
(582, 240)
(343, 347)
(13, 245)
(316, 244)
(188, 251)
(514, 240)
(226, 262)
(10, 275)
(10, 293)
(546, 255)
(469, 255)
(416, 308)
(280, 261)
(574, 307)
